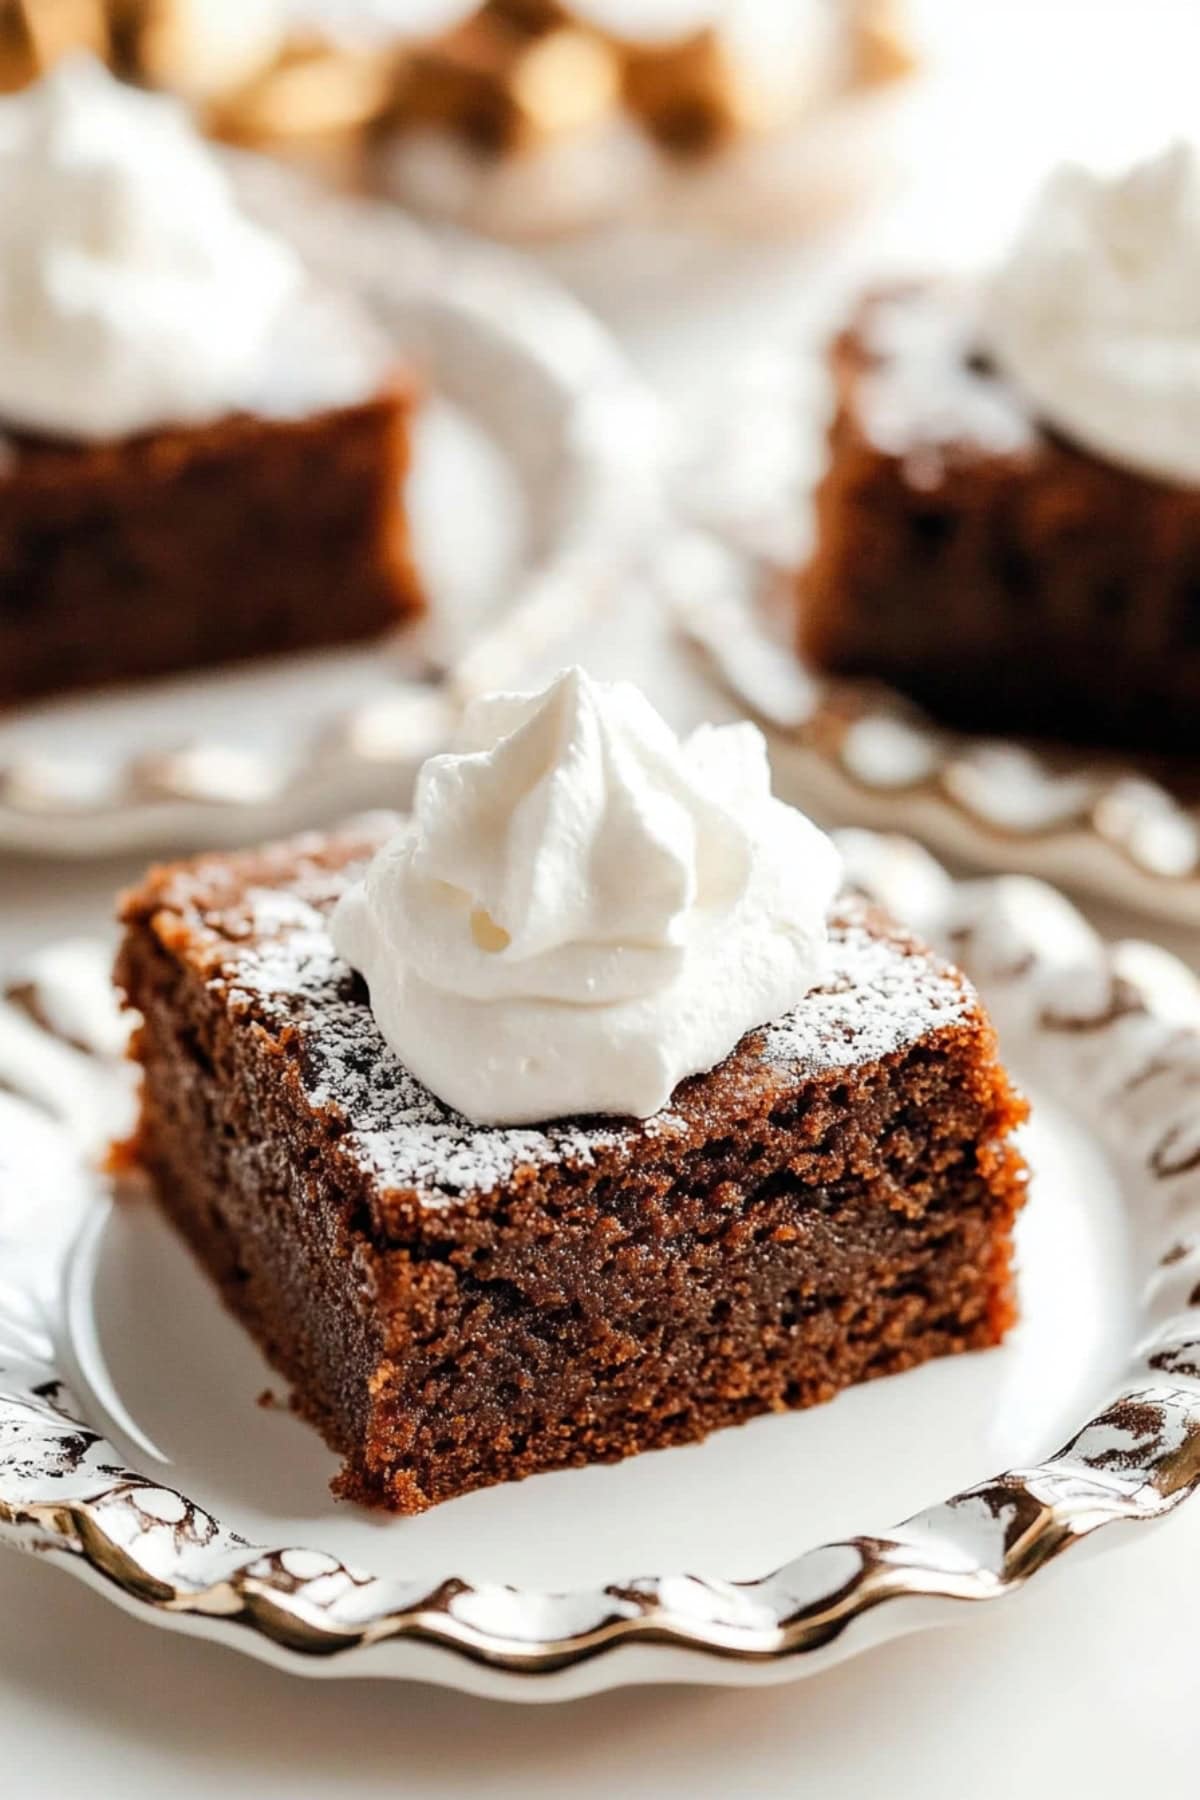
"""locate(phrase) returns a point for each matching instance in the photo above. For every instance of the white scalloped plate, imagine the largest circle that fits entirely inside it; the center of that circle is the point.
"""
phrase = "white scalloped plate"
(857, 753)
(132, 1451)
(534, 486)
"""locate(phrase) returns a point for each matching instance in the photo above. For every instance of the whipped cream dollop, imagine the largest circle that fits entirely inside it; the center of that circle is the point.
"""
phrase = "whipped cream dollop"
(133, 292)
(583, 910)
(1095, 315)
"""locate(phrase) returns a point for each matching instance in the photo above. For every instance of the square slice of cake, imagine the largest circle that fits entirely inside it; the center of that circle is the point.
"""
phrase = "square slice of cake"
(180, 549)
(1003, 577)
(456, 1305)
(203, 437)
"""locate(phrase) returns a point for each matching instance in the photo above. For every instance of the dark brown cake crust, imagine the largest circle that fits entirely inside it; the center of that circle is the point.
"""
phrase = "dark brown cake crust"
(185, 548)
(456, 1307)
(1003, 578)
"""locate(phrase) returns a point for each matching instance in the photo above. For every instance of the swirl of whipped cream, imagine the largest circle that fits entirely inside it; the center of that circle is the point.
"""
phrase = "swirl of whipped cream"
(133, 293)
(1095, 316)
(583, 910)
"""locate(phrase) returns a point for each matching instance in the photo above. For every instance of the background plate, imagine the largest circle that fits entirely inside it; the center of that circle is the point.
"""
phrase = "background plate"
(124, 1389)
(855, 752)
(534, 487)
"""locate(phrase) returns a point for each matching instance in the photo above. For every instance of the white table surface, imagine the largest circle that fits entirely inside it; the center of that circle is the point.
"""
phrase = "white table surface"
(1088, 1685)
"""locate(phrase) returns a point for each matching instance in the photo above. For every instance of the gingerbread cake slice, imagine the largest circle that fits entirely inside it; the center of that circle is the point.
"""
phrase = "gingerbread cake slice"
(203, 439)
(1005, 578)
(456, 1305)
(251, 537)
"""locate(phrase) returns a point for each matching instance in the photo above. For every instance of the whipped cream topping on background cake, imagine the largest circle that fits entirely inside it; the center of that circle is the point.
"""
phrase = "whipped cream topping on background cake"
(583, 909)
(1096, 313)
(133, 292)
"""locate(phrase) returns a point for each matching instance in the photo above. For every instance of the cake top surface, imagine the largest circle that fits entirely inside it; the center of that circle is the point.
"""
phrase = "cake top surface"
(597, 905)
(254, 928)
(923, 383)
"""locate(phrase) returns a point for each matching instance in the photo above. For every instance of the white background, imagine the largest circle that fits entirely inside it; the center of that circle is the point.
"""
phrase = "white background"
(1091, 1685)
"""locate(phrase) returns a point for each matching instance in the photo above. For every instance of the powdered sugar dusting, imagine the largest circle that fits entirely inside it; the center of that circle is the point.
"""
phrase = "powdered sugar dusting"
(926, 395)
(284, 969)
(398, 1130)
(879, 1001)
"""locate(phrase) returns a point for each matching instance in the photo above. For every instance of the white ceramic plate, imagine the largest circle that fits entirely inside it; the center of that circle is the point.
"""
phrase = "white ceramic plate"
(132, 1451)
(534, 486)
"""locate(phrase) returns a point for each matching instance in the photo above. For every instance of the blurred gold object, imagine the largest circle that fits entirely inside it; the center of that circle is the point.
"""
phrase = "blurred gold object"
(315, 102)
(565, 82)
(883, 48)
(691, 95)
(520, 72)
(460, 82)
(529, 17)
(514, 75)
(36, 33)
(312, 89)
(198, 48)
(504, 86)
(193, 46)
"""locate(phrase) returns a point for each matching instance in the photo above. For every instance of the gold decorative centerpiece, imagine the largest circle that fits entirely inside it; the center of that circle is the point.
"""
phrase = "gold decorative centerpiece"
(34, 35)
(526, 115)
